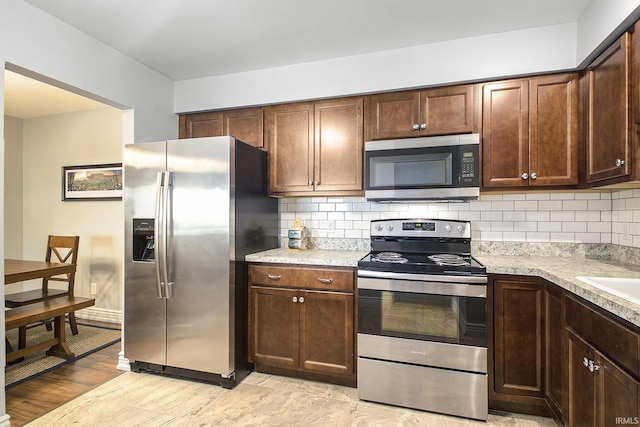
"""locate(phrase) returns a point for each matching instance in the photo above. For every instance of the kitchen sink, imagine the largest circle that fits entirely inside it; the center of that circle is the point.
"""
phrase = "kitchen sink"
(628, 289)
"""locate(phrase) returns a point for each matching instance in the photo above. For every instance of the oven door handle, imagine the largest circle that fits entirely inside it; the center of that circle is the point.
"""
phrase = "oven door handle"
(452, 278)
(418, 287)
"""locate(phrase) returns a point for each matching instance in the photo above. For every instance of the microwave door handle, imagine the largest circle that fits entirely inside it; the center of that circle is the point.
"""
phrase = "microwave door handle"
(156, 233)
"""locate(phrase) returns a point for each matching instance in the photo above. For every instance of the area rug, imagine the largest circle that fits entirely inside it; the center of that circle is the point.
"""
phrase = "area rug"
(89, 340)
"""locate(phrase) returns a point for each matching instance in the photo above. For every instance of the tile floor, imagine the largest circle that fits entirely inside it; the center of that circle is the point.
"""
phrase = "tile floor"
(139, 399)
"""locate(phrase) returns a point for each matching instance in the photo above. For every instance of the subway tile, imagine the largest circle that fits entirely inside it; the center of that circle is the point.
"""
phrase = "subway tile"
(550, 226)
(563, 216)
(319, 216)
(574, 205)
(538, 237)
(599, 205)
(469, 216)
(538, 216)
(336, 216)
(515, 236)
(494, 236)
(587, 216)
(491, 216)
(587, 196)
(514, 216)
(516, 196)
(574, 227)
(587, 238)
(354, 234)
(550, 205)
(353, 216)
(488, 197)
(327, 207)
(525, 226)
(502, 205)
(502, 226)
(563, 237)
(526, 205)
(599, 227)
(562, 196)
(538, 196)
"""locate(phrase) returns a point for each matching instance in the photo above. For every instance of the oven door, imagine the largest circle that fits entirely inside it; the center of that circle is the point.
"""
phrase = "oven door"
(434, 308)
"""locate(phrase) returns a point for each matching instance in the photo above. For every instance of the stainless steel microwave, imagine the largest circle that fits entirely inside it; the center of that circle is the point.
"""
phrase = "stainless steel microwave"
(438, 167)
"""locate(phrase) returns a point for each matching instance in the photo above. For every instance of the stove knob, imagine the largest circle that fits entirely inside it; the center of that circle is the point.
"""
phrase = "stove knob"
(460, 228)
(389, 227)
(447, 228)
(379, 227)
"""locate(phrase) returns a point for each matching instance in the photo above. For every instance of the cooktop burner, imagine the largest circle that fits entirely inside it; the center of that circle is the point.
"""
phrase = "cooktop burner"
(392, 257)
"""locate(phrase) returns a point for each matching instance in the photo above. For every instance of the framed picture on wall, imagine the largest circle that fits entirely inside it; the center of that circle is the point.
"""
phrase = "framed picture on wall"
(92, 182)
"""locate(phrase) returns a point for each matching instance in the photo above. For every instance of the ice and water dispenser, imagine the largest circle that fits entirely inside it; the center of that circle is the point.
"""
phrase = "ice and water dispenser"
(143, 241)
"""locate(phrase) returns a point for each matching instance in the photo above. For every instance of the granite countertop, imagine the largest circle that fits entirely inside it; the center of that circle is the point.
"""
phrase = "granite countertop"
(310, 257)
(562, 272)
(558, 270)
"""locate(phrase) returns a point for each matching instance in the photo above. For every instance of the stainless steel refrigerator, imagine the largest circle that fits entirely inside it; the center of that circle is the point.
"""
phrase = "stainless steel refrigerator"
(193, 209)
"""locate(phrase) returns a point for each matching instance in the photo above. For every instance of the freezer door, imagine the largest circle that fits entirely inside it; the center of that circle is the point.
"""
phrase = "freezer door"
(198, 320)
(144, 312)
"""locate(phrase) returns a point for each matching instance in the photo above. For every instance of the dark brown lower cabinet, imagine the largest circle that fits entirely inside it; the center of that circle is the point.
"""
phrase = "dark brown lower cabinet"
(600, 391)
(296, 328)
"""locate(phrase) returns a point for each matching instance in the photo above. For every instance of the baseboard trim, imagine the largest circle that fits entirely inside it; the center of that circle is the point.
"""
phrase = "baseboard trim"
(100, 315)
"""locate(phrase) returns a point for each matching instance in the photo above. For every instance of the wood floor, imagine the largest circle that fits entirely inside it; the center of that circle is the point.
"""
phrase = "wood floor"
(34, 398)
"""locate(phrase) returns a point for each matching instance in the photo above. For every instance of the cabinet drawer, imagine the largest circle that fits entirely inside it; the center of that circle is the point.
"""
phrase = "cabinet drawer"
(609, 337)
(336, 279)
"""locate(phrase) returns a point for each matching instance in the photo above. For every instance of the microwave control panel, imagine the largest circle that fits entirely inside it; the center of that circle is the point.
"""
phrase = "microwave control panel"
(469, 166)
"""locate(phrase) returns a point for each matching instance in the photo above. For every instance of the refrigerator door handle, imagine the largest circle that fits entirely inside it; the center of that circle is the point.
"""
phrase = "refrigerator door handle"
(156, 233)
(165, 233)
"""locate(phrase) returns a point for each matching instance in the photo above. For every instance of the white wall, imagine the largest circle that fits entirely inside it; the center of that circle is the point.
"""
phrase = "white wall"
(516, 52)
(49, 143)
(13, 132)
(34, 40)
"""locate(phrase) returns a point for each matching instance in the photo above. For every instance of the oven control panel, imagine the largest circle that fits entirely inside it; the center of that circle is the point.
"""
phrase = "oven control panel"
(421, 228)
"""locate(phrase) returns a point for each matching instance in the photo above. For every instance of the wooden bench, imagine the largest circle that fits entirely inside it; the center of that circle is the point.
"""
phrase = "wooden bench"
(55, 308)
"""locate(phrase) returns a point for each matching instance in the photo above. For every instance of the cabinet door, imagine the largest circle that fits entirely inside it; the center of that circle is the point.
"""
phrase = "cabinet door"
(326, 332)
(339, 145)
(554, 349)
(393, 115)
(246, 125)
(289, 138)
(201, 125)
(505, 134)
(619, 394)
(274, 327)
(608, 113)
(519, 337)
(581, 392)
(553, 127)
(447, 110)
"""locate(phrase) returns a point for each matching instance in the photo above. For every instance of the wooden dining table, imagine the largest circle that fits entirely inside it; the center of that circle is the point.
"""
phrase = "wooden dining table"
(18, 270)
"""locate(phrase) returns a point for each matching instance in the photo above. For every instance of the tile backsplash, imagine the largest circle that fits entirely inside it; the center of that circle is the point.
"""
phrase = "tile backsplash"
(593, 217)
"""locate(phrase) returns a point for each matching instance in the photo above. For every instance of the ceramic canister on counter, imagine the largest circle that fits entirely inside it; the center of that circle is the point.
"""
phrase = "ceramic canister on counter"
(297, 235)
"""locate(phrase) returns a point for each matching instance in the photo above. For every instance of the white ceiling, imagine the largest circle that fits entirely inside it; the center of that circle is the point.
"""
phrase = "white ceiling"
(188, 39)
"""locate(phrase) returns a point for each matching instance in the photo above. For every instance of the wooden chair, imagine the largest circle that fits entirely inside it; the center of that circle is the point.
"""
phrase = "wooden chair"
(63, 249)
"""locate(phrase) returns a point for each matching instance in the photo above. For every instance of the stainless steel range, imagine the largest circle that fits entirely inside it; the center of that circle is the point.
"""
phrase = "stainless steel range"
(422, 318)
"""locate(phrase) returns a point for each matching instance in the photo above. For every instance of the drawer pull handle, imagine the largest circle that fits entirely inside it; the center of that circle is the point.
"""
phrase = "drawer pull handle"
(325, 281)
(274, 276)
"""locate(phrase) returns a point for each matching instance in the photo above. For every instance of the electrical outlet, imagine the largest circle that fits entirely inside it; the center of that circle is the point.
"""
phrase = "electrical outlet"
(94, 288)
(625, 238)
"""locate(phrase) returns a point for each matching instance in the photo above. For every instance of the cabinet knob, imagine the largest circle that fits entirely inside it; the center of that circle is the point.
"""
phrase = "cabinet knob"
(325, 281)
(534, 175)
(593, 366)
(274, 276)
(301, 299)
(525, 176)
(423, 126)
(295, 299)
(619, 162)
(585, 362)
(415, 127)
